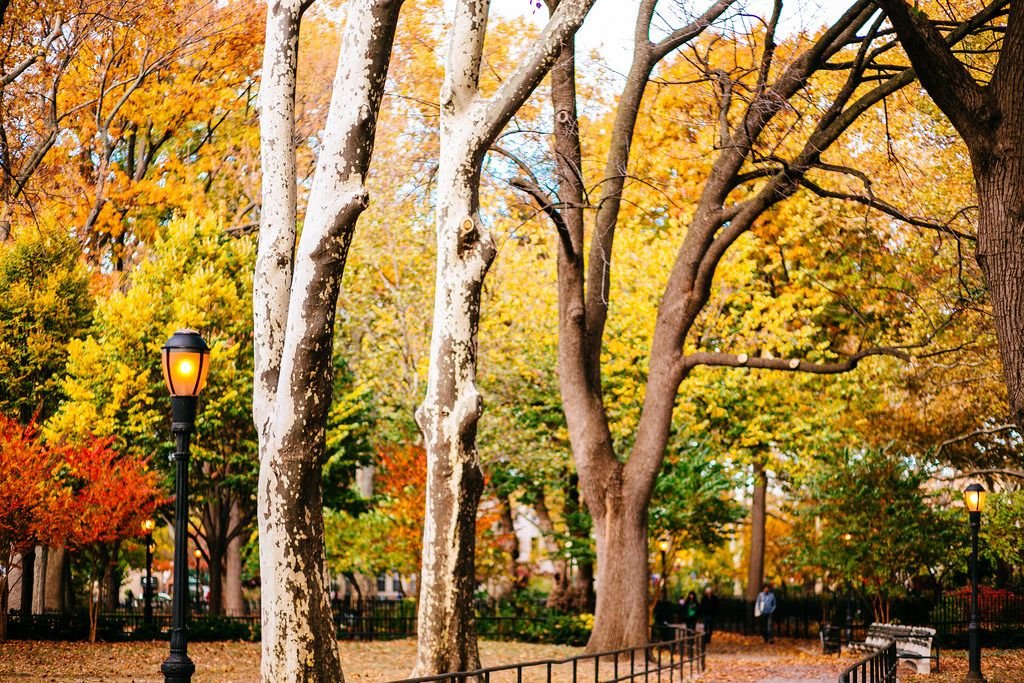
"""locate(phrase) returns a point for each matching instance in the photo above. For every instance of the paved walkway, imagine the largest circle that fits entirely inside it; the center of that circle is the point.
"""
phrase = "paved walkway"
(741, 659)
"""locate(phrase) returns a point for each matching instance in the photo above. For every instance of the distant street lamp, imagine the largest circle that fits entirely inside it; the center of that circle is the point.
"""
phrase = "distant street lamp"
(663, 546)
(199, 584)
(147, 590)
(974, 499)
(186, 364)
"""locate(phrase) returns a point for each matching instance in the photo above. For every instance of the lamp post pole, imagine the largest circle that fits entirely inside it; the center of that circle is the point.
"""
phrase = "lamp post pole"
(178, 668)
(974, 497)
(199, 582)
(186, 364)
(973, 644)
(664, 577)
(147, 591)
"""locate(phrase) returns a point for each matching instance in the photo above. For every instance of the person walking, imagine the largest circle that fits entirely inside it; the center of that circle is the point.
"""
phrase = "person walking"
(689, 609)
(764, 608)
(706, 611)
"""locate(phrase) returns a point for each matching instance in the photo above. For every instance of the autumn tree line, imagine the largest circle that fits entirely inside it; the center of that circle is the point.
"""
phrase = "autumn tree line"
(711, 300)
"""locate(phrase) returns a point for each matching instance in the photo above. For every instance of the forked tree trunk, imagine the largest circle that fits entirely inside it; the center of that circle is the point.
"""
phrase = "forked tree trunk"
(615, 499)
(465, 249)
(621, 615)
(448, 419)
(295, 293)
(758, 509)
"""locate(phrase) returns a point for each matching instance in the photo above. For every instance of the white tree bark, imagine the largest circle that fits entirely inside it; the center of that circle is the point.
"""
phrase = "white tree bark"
(465, 250)
(294, 305)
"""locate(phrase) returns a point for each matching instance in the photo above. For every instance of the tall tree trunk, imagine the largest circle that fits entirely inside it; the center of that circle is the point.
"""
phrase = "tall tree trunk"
(758, 508)
(1000, 253)
(465, 249)
(55, 573)
(234, 602)
(448, 419)
(39, 584)
(28, 576)
(216, 554)
(3, 608)
(295, 294)
(621, 615)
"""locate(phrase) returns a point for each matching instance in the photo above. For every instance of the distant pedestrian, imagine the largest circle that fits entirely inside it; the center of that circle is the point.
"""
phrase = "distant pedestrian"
(707, 610)
(764, 608)
(689, 609)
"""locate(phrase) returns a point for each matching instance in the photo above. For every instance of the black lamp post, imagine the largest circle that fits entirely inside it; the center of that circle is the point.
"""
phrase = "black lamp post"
(663, 547)
(186, 364)
(974, 499)
(199, 584)
(147, 590)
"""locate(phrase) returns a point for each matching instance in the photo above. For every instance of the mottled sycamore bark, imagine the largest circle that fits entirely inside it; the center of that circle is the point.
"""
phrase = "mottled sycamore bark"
(295, 295)
(465, 249)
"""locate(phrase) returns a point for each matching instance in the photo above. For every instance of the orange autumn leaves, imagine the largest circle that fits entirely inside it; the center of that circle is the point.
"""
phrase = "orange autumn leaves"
(74, 495)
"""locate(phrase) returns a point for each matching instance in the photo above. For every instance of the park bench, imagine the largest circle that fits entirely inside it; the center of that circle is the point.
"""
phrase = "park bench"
(913, 644)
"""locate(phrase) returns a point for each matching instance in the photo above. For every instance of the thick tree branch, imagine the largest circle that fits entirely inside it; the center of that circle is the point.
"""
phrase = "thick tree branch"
(515, 90)
(885, 207)
(742, 360)
(984, 431)
(38, 54)
(946, 79)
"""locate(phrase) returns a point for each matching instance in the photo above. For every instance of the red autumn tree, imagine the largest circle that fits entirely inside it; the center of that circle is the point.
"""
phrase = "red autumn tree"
(98, 499)
(24, 469)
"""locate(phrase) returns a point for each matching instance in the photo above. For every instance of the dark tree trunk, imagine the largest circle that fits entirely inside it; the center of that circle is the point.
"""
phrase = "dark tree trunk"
(28, 564)
(758, 508)
(1000, 183)
(990, 119)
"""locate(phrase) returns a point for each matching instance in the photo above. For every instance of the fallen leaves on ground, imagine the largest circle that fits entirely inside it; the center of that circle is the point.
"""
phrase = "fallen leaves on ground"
(730, 659)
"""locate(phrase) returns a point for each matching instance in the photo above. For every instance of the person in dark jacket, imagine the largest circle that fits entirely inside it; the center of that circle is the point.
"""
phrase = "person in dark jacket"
(707, 610)
(689, 608)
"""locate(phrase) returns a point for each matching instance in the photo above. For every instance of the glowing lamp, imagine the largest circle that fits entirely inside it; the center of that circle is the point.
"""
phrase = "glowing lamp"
(663, 545)
(974, 497)
(186, 363)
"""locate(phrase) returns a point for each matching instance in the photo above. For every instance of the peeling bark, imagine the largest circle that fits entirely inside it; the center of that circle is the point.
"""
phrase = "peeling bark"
(465, 249)
(295, 297)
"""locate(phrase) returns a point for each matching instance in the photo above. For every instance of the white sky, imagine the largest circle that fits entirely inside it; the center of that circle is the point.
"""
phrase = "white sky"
(609, 26)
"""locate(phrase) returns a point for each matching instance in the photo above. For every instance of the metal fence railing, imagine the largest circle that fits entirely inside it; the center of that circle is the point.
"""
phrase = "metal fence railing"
(681, 659)
(878, 667)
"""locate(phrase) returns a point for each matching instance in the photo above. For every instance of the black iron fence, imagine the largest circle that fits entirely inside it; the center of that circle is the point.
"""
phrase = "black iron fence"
(1002, 620)
(681, 659)
(878, 667)
(1002, 616)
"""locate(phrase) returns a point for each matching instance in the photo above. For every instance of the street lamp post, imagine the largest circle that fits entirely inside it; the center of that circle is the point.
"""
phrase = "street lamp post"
(663, 547)
(147, 590)
(186, 364)
(974, 498)
(199, 584)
